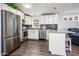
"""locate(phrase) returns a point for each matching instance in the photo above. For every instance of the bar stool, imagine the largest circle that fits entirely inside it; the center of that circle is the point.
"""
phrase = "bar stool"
(68, 43)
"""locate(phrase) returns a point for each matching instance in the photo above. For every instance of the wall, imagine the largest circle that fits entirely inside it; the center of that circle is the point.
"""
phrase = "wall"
(63, 24)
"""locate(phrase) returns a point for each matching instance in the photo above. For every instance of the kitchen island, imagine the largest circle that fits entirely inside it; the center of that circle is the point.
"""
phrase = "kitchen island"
(57, 42)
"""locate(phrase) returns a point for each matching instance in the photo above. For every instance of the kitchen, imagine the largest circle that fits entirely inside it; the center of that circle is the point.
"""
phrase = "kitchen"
(37, 26)
(35, 31)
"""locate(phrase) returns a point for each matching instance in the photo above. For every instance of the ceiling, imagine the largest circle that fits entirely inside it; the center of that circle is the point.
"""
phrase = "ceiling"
(42, 8)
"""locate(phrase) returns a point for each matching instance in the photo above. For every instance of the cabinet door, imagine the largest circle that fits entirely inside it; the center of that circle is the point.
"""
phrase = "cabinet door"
(55, 21)
(5, 7)
(36, 35)
(50, 20)
(30, 34)
(28, 20)
(12, 10)
(41, 20)
(57, 46)
(46, 19)
(47, 34)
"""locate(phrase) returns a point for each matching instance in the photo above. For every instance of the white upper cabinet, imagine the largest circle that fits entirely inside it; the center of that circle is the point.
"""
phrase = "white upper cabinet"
(10, 9)
(28, 20)
(55, 20)
(23, 16)
(50, 20)
(41, 21)
(46, 19)
(5, 7)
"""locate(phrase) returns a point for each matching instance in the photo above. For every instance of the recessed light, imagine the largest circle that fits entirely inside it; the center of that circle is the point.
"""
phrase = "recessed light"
(27, 5)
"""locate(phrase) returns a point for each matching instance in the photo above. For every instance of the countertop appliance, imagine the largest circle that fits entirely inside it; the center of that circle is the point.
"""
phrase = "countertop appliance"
(10, 32)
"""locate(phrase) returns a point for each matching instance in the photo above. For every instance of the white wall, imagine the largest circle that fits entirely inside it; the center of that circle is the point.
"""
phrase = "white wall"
(63, 24)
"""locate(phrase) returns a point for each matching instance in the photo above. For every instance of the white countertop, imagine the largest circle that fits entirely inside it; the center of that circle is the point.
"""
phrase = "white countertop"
(52, 31)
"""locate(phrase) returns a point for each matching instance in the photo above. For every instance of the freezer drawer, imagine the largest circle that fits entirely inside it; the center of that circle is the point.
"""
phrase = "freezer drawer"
(17, 42)
(8, 45)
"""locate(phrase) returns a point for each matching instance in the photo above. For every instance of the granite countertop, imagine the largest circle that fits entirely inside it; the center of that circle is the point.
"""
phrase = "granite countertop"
(57, 31)
(34, 29)
(24, 30)
(51, 31)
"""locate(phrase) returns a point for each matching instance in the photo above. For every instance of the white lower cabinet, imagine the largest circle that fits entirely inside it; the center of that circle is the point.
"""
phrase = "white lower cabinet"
(33, 34)
(47, 36)
(30, 34)
(57, 43)
(36, 34)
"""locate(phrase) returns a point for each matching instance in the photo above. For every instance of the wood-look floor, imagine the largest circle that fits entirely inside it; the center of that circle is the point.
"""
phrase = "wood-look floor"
(39, 48)
(75, 51)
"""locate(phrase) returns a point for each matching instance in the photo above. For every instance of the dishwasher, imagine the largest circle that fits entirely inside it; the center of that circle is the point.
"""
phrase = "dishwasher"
(42, 34)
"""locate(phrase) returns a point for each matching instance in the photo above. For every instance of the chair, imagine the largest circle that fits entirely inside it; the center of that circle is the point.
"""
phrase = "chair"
(68, 43)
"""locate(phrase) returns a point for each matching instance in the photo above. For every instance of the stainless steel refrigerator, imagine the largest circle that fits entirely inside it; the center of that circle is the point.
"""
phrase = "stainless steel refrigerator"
(10, 32)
